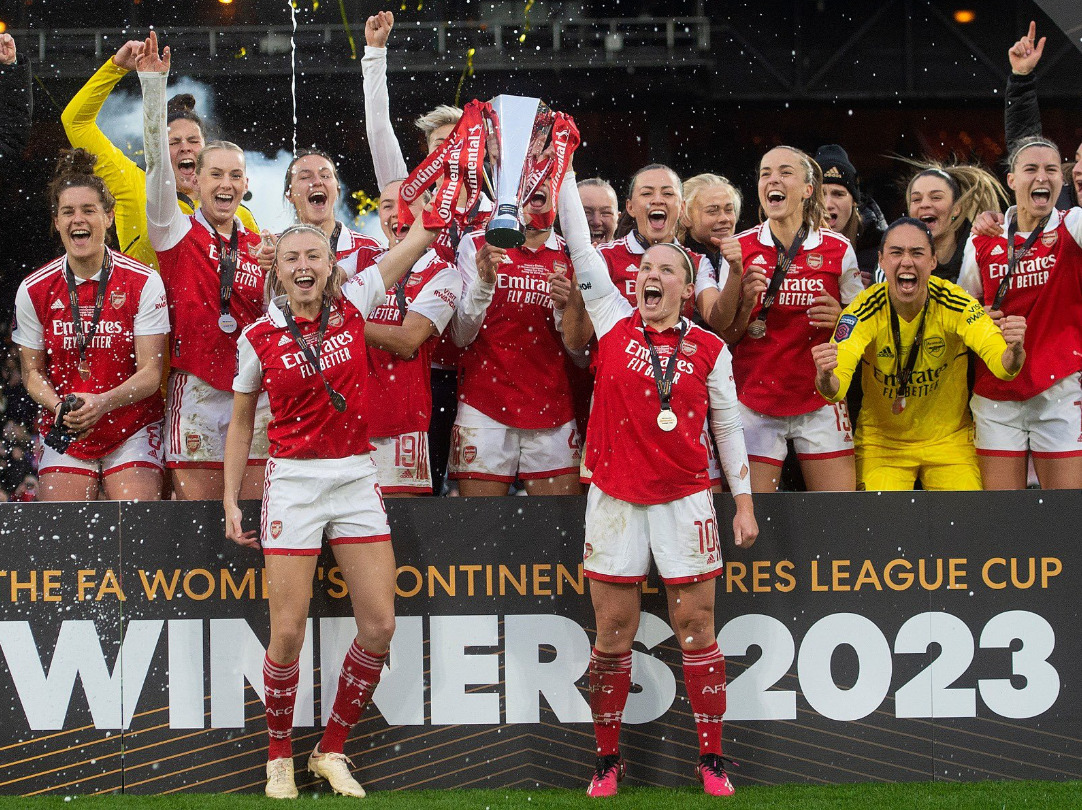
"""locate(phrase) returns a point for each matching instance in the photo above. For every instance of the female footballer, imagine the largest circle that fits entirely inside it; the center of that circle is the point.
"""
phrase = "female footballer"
(308, 355)
(658, 378)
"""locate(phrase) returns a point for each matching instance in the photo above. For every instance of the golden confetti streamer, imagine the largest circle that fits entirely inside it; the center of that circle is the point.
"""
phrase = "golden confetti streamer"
(315, 5)
(466, 71)
(349, 33)
(364, 203)
(243, 52)
(525, 21)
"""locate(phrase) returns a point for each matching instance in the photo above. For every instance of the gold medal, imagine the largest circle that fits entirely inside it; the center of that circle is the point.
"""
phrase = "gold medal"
(84, 369)
(898, 405)
(666, 420)
(757, 328)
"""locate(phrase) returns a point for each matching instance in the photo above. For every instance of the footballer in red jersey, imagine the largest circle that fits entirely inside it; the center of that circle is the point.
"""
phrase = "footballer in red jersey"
(92, 327)
(658, 378)
(400, 335)
(209, 264)
(308, 354)
(1037, 274)
(515, 414)
(797, 275)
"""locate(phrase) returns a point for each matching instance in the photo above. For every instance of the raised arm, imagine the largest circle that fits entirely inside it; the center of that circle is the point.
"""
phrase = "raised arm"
(387, 157)
(603, 302)
(16, 101)
(125, 179)
(397, 261)
(1022, 114)
(165, 224)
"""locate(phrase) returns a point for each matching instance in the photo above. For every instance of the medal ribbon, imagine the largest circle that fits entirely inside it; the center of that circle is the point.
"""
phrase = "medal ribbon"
(663, 378)
(903, 374)
(337, 232)
(227, 269)
(83, 339)
(312, 356)
(400, 296)
(459, 161)
(781, 269)
(1013, 258)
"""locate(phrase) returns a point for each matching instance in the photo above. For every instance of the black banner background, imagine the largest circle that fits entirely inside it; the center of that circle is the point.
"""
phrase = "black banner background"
(795, 582)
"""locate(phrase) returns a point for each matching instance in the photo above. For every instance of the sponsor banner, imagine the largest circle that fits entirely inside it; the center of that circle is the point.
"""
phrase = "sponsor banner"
(903, 636)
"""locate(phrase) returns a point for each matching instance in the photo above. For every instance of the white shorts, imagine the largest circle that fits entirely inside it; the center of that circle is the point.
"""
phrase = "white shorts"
(1049, 425)
(142, 449)
(303, 498)
(823, 433)
(484, 449)
(197, 419)
(681, 536)
(402, 464)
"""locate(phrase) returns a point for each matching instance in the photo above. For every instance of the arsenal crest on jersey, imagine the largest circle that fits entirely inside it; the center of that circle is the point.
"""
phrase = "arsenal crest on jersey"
(253, 250)
(117, 298)
(469, 454)
(193, 442)
(1049, 238)
(276, 528)
(335, 318)
(688, 349)
(815, 260)
(414, 279)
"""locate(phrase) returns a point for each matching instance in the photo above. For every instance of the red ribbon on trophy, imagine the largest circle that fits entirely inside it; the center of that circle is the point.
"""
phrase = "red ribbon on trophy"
(458, 161)
(565, 140)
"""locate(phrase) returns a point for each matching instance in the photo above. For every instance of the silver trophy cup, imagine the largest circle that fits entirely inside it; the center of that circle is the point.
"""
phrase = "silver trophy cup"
(518, 132)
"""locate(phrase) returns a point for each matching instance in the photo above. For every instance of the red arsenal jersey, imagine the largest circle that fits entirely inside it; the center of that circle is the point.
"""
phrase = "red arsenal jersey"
(356, 250)
(513, 369)
(630, 456)
(775, 375)
(400, 391)
(303, 422)
(134, 305)
(1046, 288)
(192, 283)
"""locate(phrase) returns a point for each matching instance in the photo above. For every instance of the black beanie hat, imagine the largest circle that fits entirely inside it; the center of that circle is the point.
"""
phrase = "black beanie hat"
(834, 161)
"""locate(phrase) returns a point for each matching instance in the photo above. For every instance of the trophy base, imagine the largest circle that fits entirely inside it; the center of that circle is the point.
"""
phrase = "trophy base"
(505, 232)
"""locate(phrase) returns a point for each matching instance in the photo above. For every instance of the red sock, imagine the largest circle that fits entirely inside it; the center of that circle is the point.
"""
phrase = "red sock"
(356, 683)
(704, 679)
(279, 694)
(610, 681)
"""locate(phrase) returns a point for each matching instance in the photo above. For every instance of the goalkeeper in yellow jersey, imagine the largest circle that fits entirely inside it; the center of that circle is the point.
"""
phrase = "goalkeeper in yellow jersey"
(910, 336)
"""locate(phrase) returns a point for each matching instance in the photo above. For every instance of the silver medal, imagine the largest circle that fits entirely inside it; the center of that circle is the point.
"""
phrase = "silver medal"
(227, 323)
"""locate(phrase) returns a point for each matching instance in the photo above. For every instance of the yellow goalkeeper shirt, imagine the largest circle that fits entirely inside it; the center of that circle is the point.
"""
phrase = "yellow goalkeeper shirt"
(126, 181)
(937, 396)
